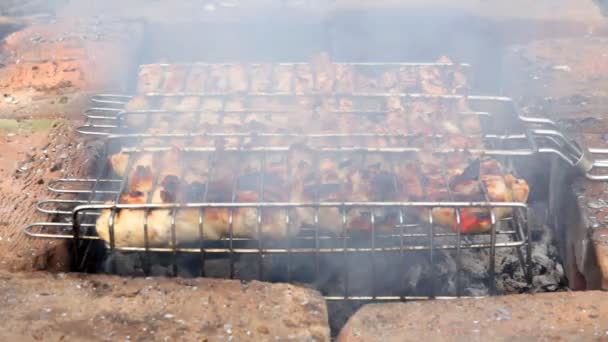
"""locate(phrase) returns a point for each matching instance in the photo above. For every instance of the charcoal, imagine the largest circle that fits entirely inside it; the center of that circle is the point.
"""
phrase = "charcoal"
(546, 282)
(121, 264)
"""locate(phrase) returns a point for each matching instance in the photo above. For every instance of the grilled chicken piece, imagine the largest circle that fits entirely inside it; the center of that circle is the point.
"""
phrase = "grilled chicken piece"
(128, 224)
(197, 79)
(139, 102)
(304, 80)
(409, 79)
(283, 78)
(366, 81)
(390, 81)
(212, 104)
(469, 121)
(339, 180)
(345, 78)
(409, 182)
(431, 80)
(218, 78)
(145, 166)
(188, 103)
(261, 77)
(237, 78)
(170, 103)
(500, 187)
(175, 78)
(272, 220)
(185, 119)
(136, 104)
(325, 73)
(120, 161)
(150, 78)
(458, 81)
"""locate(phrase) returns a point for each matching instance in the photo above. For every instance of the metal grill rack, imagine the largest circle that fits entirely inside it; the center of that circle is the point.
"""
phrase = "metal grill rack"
(301, 77)
(507, 135)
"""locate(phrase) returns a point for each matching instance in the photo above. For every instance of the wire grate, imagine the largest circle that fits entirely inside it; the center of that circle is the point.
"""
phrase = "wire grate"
(249, 174)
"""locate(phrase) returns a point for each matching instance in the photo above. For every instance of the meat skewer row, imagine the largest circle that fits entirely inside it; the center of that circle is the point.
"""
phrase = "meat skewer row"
(128, 223)
(501, 187)
(326, 179)
(417, 119)
(321, 74)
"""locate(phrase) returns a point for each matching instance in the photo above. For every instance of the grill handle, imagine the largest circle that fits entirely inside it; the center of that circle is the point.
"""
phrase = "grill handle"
(550, 139)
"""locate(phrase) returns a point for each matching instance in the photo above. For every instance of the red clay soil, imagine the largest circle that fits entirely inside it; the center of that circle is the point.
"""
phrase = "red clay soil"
(28, 159)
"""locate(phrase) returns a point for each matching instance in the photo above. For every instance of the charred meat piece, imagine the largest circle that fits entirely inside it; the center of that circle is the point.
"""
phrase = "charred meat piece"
(175, 78)
(490, 182)
(150, 78)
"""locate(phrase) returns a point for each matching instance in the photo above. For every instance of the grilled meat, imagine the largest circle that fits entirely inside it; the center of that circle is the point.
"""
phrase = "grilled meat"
(196, 81)
(174, 78)
(261, 77)
(302, 174)
(490, 183)
(311, 178)
(150, 78)
(321, 75)
(218, 78)
(237, 78)
(304, 79)
(324, 73)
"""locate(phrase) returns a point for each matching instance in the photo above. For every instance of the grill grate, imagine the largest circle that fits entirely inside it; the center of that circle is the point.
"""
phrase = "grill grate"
(505, 134)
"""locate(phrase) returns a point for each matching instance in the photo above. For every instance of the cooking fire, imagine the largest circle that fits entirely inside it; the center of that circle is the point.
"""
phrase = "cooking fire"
(352, 174)
(299, 171)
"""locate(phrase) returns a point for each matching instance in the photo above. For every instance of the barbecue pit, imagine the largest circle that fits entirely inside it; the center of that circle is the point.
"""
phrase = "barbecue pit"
(343, 262)
(432, 260)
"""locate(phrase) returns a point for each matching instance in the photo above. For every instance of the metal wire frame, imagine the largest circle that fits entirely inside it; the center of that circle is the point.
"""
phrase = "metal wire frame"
(403, 239)
(82, 207)
(303, 244)
(81, 210)
(539, 135)
(372, 68)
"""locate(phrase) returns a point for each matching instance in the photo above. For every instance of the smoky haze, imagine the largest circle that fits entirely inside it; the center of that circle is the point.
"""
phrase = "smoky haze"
(294, 31)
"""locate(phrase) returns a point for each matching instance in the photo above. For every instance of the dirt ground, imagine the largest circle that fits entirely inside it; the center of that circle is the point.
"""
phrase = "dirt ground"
(31, 153)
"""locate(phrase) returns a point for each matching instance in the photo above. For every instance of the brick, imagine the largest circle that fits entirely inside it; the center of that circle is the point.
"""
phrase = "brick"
(105, 308)
(565, 316)
(600, 242)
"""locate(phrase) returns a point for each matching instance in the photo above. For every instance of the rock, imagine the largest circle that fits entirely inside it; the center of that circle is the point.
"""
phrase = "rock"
(151, 309)
(564, 316)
